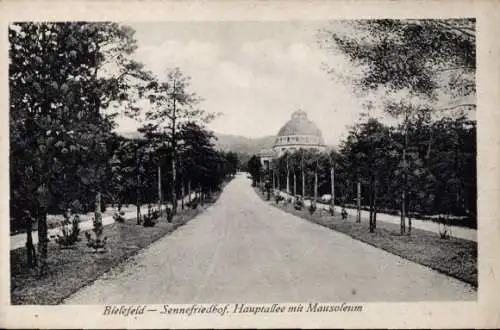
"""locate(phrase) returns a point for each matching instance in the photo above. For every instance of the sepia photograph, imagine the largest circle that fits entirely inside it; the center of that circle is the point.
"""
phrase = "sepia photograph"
(187, 168)
(248, 162)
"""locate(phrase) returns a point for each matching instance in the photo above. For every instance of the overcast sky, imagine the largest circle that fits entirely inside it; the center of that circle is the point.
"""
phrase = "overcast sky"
(255, 73)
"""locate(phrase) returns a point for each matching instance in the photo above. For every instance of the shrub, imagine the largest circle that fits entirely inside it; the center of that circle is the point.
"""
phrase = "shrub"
(70, 231)
(331, 210)
(170, 214)
(344, 213)
(119, 217)
(299, 203)
(312, 207)
(444, 231)
(75, 226)
(193, 203)
(149, 219)
(278, 198)
(97, 242)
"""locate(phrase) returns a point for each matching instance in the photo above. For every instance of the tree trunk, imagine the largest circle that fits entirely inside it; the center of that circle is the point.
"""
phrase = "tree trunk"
(189, 191)
(409, 225)
(97, 209)
(403, 213)
(403, 195)
(409, 219)
(278, 180)
(370, 220)
(103, 205)
(358, 219)
(42, 242)
(174, 152)
(174, 186)
(372, 209)
(375, 207)
(287, 177)
(183, 193)
(303, 183)
(315, 186)
(30, 247)
(332, 188)
(274, 181)
(138, 190)
(294, 184)
(159, 190)
(202, 200)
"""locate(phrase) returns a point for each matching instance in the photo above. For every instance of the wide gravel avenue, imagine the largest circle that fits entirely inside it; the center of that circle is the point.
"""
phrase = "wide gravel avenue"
(243, 250)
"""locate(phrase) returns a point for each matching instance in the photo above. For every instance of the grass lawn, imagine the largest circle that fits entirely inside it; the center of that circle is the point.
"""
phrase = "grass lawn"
(71, 269)
(454, 256)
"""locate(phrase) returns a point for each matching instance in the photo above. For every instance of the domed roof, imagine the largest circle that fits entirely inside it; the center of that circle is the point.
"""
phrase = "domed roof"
(300, 125)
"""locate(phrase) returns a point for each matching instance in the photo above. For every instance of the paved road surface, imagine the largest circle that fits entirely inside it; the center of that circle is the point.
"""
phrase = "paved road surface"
(242, 250)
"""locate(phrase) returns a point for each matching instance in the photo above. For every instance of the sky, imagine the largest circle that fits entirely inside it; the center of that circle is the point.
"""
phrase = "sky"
(255, 73)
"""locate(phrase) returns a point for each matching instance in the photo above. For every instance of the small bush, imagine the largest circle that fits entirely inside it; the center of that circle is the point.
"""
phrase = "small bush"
(70, 231)
(312, 207)
(344, 213)
(119, 217)
(149, 219)
(278, 198)
(170, 214)
(299, 203)
(97, 242)
(193, 203)
(444, 231)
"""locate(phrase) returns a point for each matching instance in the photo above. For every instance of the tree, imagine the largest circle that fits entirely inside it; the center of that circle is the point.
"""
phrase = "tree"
(333, 161)
(421, 58)
(233, 160)
(203, 166)
(173, 105)
(254, 168)
(123, 183)
(303, 172)
(367, 152)
(408, 54)
(57, 111)
(452, 162)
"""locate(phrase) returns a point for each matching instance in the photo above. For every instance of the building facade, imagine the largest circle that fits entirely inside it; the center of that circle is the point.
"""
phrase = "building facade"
(297, 133)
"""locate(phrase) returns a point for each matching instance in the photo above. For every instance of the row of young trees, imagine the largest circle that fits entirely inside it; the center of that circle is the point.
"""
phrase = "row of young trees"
(409, 67)
(426, 161)
(67, 83)
(439, 178)
(142, 173)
